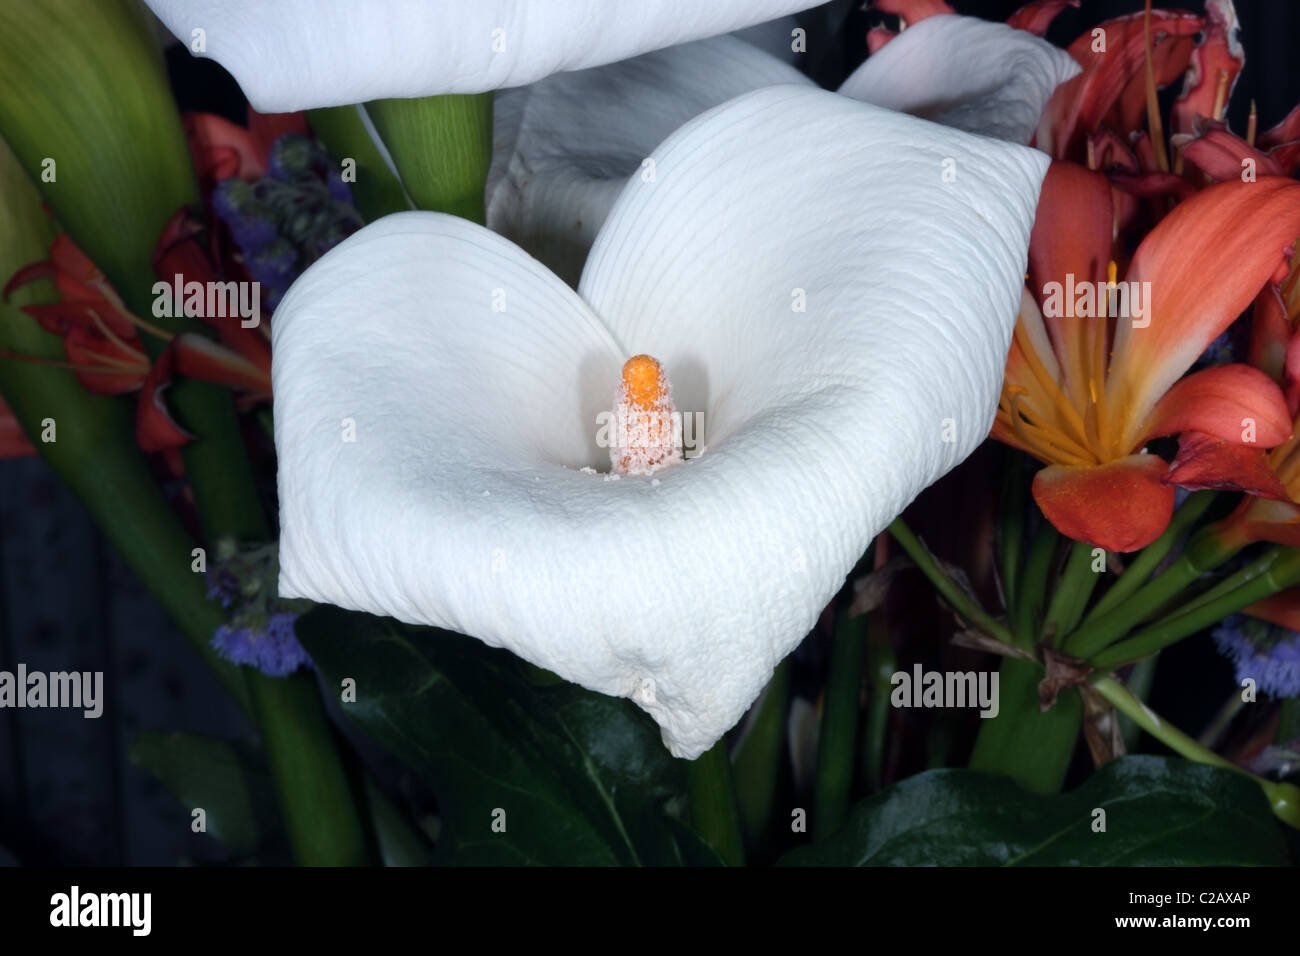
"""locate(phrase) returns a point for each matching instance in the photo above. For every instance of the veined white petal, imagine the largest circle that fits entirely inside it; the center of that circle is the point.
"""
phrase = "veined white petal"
(566, 145)
(967, 73)
(905, 244)
(297, 54)
(460, 504)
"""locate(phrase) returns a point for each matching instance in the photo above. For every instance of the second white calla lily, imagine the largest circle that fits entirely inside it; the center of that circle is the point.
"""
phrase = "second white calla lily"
(837, 307)
(298, 54)
(564, 146)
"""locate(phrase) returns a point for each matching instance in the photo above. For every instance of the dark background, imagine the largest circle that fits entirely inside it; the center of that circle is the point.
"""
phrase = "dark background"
(68, 795)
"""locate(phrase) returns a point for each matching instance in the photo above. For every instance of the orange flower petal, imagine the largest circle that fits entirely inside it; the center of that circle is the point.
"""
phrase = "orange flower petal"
(1206, 462)
(1235, 403)
(1205, 262)
(1119, 506)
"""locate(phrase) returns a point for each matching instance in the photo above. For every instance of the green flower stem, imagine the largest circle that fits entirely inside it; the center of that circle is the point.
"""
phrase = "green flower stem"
(835, 747)
(1282, 574)
(1284, 798)
(1031, 746)
(320, 808)
(1230, 709)
(1071, 595)
(712, 797)
(960, 602)
(442, 147)
(881, 665)
(1021, 741)
(757, 762)
(1032, 587)
(1206, 551)
(1145, 564)
(1140, 679)
(1231, 582)
(1011, 524)
(376, 191)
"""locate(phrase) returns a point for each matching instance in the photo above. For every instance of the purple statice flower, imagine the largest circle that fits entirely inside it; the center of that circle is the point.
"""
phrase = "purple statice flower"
(294, 157)
(259, 627)
(273, 649)
(274, 264)
(339, 191)
(1267, 654)
(251, 224)
(223, 587)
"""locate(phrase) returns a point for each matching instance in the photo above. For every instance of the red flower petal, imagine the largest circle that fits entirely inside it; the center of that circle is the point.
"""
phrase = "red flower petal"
(1207, 462)
(913, 11)
(1037, 16)
(1235, 403)
(1220, 155)
(1119, 506)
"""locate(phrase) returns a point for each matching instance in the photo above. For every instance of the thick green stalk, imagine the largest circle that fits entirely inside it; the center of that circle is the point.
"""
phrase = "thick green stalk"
(1032, 587)
(1204, 553)
(1283, 573)
(442, 147)
(1071, 595)
(1231, 582)
(1023, 742)
(756, 764)
(321, 810)
(958, 599)
(712, 797)
(835, 747)
(1148, 559)
(1284, 798)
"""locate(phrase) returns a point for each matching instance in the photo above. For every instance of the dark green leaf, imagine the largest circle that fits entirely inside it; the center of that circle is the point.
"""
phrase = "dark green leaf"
(226, 778)
(581, 778)
(1159, 811)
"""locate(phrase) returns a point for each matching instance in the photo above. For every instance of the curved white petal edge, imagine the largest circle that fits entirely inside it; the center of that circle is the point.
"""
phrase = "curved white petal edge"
(299, 54)
(565, 146)
(469, 379)
(966, 73)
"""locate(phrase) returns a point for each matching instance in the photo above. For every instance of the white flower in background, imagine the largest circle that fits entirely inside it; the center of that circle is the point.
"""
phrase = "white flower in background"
(565, 146)
(298, 54)
(437, 393)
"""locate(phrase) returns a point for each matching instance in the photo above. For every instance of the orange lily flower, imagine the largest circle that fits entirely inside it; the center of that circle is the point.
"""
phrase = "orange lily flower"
(1084, 394)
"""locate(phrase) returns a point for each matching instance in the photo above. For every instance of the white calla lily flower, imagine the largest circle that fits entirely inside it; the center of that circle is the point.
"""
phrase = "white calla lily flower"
(565, 146)
(837, 308)
(299, 54)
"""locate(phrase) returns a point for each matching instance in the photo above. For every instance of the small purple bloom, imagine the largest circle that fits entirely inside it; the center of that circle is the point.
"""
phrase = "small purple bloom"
(1267, 654)
(273, 650)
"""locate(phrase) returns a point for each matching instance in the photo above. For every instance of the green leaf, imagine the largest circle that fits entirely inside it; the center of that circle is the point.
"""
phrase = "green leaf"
(1160, 811)
(226, 778)
(581, 778)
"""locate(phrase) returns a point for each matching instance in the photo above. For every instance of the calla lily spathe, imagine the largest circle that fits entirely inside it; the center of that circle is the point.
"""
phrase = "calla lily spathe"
(471, 378)
(565, 146)
(299, 54)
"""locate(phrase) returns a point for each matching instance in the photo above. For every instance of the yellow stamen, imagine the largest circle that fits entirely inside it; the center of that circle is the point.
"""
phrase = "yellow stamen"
(1221, 94)
(648, 432)
(1054, 394)
(1153, 103)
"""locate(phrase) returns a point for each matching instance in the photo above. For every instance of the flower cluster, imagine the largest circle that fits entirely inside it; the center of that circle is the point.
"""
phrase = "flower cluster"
(290, 217)
(259, 632)
(1263, 652)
